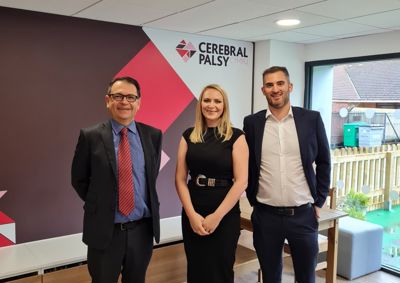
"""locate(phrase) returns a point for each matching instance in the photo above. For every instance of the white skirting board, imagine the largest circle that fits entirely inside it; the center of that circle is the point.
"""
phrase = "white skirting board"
(37, 256)
(170, 229)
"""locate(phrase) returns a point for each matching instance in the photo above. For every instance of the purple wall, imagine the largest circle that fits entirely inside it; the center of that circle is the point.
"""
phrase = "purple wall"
(54, 74)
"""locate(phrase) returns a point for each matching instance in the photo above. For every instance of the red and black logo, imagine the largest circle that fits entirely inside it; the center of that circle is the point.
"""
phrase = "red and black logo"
(186, 50)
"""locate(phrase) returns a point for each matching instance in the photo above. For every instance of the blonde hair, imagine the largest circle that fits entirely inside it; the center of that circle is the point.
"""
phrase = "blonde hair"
(224, 128)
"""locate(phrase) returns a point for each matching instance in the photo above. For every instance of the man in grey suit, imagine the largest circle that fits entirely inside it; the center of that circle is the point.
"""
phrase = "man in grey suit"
(114, 172)
(284, 188)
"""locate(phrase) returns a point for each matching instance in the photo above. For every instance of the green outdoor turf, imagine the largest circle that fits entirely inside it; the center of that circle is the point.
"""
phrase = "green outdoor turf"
(390, 221)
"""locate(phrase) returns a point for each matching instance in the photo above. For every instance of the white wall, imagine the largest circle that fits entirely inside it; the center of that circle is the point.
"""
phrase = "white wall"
(261, 62)
(381, 43)
(291, 55)
(278, 53)
(322, 87)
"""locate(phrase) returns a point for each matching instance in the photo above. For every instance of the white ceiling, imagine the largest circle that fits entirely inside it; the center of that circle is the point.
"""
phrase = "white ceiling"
(250, 20)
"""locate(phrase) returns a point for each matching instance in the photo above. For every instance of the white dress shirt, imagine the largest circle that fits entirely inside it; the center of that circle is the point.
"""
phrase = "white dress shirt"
(282, 181)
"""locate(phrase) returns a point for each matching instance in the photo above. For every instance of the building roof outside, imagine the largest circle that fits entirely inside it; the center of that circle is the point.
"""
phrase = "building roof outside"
(374, 81)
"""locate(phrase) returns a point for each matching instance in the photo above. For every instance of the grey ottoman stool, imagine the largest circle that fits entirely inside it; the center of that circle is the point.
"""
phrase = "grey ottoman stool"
(360, 247)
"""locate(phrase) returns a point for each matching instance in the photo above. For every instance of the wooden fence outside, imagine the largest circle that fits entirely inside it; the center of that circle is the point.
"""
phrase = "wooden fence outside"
(376, 167)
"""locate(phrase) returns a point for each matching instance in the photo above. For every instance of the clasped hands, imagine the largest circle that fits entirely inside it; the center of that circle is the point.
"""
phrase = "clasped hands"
(204, 226)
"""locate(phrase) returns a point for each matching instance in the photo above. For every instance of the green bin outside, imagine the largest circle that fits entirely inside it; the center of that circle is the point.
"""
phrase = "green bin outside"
(350, 133)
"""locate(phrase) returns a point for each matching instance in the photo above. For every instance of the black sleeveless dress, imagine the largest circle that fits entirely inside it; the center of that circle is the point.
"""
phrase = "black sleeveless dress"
(210, 258)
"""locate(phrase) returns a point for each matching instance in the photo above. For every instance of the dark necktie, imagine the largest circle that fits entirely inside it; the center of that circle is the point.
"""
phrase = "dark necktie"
(125, 175)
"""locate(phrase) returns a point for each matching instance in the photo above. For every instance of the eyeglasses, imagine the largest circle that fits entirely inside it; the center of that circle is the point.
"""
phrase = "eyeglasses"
(119, 97)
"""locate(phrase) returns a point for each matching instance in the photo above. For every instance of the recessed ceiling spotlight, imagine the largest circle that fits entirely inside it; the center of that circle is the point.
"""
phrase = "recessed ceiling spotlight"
(288, 22)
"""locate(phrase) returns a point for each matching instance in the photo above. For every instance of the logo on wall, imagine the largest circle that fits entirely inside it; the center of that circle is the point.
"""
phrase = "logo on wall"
(186, 50)
(213, 54)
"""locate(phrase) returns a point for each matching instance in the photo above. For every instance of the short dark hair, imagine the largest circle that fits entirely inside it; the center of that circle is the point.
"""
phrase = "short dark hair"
(125, 79)
(275, 69)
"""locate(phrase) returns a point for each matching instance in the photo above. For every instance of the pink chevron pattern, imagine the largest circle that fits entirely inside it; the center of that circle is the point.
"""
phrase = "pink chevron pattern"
(7, 228)
(164, 94)
(164, 159)
(4, 241)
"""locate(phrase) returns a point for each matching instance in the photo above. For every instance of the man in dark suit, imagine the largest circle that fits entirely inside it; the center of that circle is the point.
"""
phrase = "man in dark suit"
(114, 172)
(285, 189)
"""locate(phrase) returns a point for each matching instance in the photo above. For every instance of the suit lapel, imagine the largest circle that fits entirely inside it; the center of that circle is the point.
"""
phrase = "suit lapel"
(301, 132)
(107, 137)
(259, 126)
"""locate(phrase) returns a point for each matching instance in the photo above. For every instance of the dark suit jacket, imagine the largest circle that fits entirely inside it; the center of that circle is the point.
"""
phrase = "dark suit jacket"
(94, 177)
(314, 147)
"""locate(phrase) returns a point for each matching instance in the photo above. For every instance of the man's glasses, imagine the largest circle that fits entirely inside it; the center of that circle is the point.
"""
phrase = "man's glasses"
(119, 97)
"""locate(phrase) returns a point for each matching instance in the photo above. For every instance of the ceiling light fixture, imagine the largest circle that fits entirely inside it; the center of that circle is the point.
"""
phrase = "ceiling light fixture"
(288, 22)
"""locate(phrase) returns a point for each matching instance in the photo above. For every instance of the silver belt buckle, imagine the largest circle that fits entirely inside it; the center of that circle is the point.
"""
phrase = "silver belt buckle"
(211, 182)
(198, 179)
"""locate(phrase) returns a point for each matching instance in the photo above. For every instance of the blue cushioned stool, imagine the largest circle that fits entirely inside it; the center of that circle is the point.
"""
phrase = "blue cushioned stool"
(360, 247)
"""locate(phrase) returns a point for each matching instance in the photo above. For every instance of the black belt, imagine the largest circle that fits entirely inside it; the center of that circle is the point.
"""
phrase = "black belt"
(131, 224)
(285, 210)
(203, 181)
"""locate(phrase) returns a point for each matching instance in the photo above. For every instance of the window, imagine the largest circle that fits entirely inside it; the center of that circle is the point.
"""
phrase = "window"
(359, 101)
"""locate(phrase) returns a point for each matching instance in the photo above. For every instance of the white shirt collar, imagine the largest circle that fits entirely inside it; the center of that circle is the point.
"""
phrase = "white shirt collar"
(269, 113)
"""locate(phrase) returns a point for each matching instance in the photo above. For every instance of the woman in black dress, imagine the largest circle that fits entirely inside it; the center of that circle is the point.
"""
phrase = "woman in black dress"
(215, 155)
